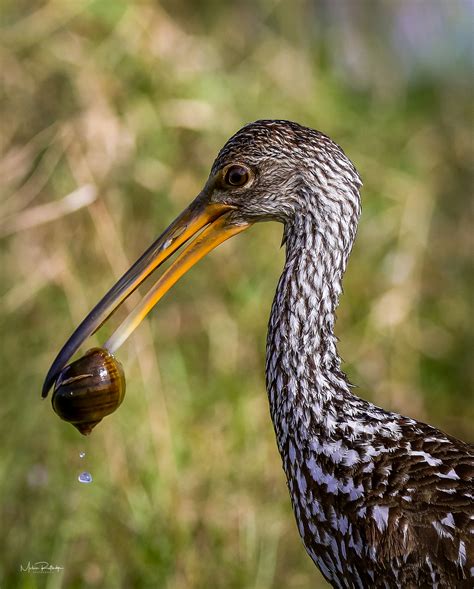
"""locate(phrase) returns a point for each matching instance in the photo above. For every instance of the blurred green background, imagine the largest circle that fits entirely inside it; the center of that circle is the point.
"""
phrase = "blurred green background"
(111, 115)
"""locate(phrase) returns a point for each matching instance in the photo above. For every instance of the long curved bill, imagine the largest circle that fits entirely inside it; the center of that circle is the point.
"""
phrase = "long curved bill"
(217, 228)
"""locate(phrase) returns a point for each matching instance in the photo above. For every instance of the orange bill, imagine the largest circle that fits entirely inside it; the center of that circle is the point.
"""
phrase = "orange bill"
(210, 238)
(213, 218)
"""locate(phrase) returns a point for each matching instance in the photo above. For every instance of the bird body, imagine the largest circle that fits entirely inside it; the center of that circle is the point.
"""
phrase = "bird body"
(380, 500)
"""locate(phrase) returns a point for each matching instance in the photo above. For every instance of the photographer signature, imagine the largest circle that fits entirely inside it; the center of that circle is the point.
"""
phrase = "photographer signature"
(40, 567)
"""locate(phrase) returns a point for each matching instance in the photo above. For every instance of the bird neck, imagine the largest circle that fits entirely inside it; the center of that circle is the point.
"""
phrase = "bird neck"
(303, 364)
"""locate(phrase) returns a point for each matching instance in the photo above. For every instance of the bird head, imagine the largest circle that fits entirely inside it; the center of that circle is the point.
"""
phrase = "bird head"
(281, 171)
(269, 170)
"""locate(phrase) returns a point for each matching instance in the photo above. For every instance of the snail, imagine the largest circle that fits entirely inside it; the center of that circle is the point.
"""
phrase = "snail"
(88, 389)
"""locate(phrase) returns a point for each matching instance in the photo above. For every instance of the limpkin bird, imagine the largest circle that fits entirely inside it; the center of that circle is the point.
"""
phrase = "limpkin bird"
(380, 500)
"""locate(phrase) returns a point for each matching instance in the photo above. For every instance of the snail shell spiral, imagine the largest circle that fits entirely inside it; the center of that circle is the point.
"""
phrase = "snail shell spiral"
(88, 389)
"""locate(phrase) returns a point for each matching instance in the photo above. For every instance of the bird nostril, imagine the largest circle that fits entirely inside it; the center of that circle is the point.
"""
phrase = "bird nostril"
(179, 231)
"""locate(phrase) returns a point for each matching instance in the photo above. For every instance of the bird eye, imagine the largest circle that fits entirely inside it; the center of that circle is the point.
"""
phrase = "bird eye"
(236, 175)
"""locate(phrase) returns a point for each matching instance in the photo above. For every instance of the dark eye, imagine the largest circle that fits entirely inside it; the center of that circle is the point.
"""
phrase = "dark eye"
(236, 175)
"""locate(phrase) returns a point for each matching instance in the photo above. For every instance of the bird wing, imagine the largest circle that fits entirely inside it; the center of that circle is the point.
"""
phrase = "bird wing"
(426, 520)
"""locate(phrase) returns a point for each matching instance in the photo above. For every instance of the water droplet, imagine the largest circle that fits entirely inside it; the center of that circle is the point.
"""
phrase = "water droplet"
(82, 454)
(167, 243)
(85, 477)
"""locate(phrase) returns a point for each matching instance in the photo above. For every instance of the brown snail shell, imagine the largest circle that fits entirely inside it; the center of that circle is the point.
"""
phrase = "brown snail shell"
(89, 389)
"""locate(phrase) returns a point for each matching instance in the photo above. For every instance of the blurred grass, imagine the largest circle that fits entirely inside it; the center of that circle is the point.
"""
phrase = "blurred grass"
(130, 103)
